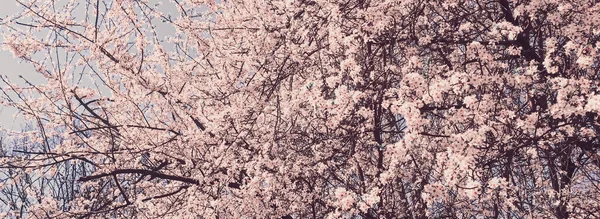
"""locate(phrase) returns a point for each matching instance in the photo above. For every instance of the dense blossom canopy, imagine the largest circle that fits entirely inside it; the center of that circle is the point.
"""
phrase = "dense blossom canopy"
(308, 108)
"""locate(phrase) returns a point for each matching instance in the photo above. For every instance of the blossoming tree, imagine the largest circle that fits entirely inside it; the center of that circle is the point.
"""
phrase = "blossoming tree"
(312, 109)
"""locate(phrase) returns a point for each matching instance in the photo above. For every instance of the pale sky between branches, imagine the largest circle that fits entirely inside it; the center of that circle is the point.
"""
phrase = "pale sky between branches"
(13, 67)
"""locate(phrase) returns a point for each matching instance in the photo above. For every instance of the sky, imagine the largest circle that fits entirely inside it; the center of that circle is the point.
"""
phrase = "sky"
(13, 67)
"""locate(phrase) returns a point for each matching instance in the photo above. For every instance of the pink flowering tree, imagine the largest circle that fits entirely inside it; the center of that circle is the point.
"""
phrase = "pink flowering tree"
(312, 109)
(21, 190)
